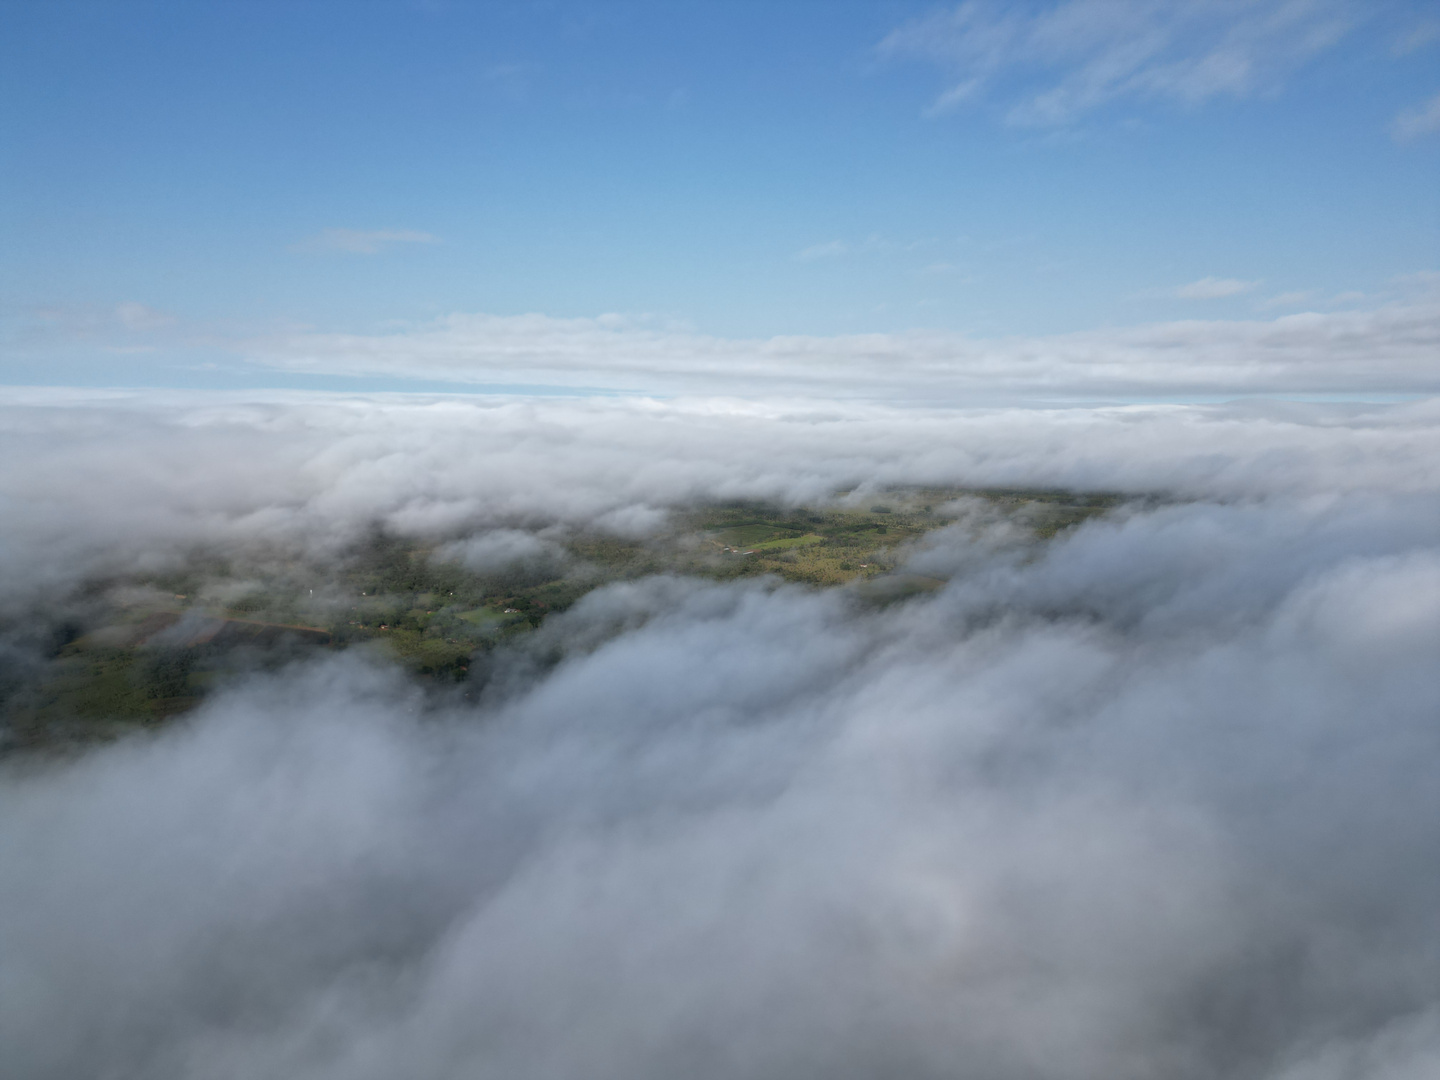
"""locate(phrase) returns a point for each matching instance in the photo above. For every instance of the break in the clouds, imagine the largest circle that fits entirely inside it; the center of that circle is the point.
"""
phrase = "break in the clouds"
(1155, 799)
(1052, 64)
(363, 241)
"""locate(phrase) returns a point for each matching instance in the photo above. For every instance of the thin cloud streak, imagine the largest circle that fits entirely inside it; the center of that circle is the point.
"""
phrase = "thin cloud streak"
(1294, 298)
(1416, 123)
(1048, 67)
(1387, 349)
(832, 249)
(1213, 288)
(140, 317)
(363, 241)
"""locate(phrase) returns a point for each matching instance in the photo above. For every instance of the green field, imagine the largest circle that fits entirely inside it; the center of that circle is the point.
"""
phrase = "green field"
(133, 661)
(790, 542)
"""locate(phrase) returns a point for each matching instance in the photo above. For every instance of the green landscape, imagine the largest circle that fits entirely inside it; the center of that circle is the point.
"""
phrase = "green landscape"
(139, 651)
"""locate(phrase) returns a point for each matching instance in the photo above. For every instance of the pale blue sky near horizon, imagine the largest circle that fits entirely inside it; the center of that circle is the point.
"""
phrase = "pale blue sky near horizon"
(726, 169)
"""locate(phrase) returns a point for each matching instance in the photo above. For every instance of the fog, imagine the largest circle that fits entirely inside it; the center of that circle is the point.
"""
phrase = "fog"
(1157, 798)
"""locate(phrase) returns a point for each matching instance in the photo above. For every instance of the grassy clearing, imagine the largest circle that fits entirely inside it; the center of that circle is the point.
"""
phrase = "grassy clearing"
(787, 543)
(483, 618)
(751, 535)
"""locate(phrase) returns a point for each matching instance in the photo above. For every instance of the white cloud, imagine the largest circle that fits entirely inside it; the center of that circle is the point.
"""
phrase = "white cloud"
(1420, 36)
(831, 250)
(363, 241)
(1156, 799)
(1053, 64)
(1417, 122)
(135, 316)
(875, 242)
(1212, 288)
(125, 479)
(119, 323)
(1390, 348)
(499, 549)
(1288, 299)
(1383, 343)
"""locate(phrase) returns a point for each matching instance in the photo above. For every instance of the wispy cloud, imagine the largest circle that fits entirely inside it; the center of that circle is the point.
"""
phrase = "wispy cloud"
(136, 316)
(1416, 122)
(832, 249)
(363, 241)
(512, 81)
(1213, 288)
(1419, 36)
(1287, 299)
(1386, 349)
(1054, 64)
(118, 325)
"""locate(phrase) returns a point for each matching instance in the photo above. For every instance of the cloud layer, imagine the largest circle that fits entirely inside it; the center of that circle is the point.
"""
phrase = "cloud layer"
(1159, 803)
(1390, 348)
(1352, 343)
(134, 479)
(1155, 799)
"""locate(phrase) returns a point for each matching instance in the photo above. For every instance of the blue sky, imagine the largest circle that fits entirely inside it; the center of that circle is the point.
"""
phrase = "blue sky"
(182, 181)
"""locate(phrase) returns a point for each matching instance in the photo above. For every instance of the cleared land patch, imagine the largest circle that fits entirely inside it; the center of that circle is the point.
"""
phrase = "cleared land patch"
(786, 543)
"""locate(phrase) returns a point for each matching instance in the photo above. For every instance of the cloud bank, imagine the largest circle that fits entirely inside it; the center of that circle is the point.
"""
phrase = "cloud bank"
(1390, 348)
(1350, 344)
(1156, 799)
(126, 480)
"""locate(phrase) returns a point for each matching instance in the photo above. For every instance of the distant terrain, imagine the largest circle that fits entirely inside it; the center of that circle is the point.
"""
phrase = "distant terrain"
(132, 652)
